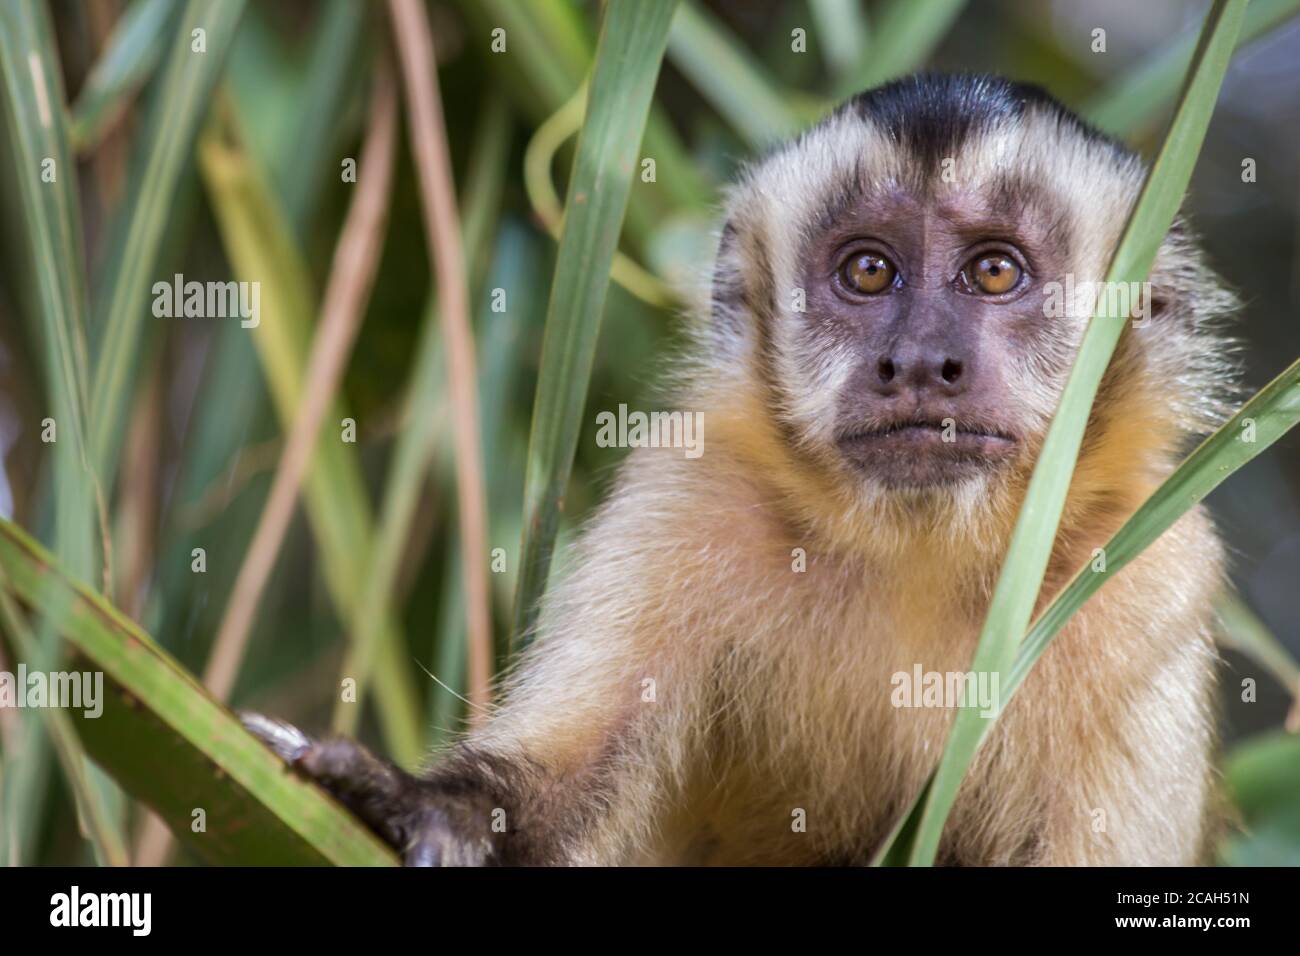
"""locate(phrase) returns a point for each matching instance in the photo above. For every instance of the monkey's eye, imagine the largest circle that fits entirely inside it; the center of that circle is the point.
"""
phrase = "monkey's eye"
(992, 274)
(867, 272)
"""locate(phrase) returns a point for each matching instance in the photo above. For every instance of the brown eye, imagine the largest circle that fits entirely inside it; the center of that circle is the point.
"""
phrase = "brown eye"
(867, 273)
(993, 274)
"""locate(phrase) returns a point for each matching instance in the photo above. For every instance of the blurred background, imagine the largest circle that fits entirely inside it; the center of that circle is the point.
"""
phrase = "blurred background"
(202, 437)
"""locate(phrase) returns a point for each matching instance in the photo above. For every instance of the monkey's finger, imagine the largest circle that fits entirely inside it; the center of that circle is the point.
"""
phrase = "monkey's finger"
(282, 737)
(388, 800)
(376, 792)
(382, 795)
(349, 769)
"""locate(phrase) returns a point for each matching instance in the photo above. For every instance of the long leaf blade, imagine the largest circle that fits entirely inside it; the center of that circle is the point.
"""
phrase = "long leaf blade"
(179, 750)
(1134, 99)
(132, 53)
(725, 73)
(904, 34)
(136, 238)
(34, 111)
(628, 56)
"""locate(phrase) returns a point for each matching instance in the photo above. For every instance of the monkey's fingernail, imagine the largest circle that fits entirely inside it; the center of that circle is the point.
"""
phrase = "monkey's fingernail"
(283, 738)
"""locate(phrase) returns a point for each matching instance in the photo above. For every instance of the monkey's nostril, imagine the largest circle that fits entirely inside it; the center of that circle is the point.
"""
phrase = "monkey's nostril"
(886, 370)
(951, 371)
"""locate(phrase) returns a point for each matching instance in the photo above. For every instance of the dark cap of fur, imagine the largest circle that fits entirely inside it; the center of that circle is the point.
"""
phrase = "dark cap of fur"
(932, 114)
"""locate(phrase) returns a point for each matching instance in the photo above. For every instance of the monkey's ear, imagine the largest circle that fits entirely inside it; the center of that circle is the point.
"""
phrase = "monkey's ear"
(727, 297)
(1178, 277)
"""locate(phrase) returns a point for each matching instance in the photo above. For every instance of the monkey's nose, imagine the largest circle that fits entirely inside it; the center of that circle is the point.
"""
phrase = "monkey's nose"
(932, 371)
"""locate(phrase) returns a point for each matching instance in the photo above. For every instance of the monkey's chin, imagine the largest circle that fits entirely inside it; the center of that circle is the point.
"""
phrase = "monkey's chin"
(921, 457)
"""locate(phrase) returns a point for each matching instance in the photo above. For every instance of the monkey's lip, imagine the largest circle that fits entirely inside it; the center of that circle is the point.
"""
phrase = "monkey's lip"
(925, 453)
(923, 434)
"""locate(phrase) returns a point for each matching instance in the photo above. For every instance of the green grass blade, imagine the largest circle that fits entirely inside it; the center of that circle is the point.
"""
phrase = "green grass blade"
(96, 822)
(132, 54)
(176, 748)
(447, 702)
(517, 266)
(34, 108)
(402, 490)
(231, 396)
(548, 56)
(1135, 100)
(1035, 531)
(1256, 767)
(728, 77)
(628, 56)
(34, 114)
(905, 34)
(893, 851)
(548, 47)
(135, 238)
(417, 441)
(331, 75)
(539, 157)
(842, 35)
(1243, 630)
(261, 248)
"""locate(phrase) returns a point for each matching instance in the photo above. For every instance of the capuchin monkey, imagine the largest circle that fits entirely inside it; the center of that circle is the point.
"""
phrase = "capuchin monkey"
(722, 676)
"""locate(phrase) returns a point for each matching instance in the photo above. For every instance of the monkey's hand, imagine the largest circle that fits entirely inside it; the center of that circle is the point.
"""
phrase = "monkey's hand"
(426, 824)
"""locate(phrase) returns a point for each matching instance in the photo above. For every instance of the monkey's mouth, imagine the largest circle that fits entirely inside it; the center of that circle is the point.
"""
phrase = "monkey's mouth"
(925, 452)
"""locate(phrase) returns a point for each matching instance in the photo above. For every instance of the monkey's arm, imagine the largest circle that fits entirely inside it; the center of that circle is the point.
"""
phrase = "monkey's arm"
(478, 807)
(591, 728)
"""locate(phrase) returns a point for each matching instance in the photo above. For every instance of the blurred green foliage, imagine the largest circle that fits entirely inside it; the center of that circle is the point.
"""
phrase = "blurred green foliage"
(295, 75)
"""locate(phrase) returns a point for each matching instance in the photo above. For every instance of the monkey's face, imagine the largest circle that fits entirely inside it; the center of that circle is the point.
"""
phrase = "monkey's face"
(890, 273)
(933, 303)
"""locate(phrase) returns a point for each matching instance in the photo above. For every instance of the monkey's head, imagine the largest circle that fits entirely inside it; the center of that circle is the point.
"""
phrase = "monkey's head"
(903, 288)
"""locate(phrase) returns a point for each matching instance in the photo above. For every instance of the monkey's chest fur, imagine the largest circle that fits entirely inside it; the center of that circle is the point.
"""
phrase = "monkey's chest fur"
(814, 734)
(777, 731)
(812, 746)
